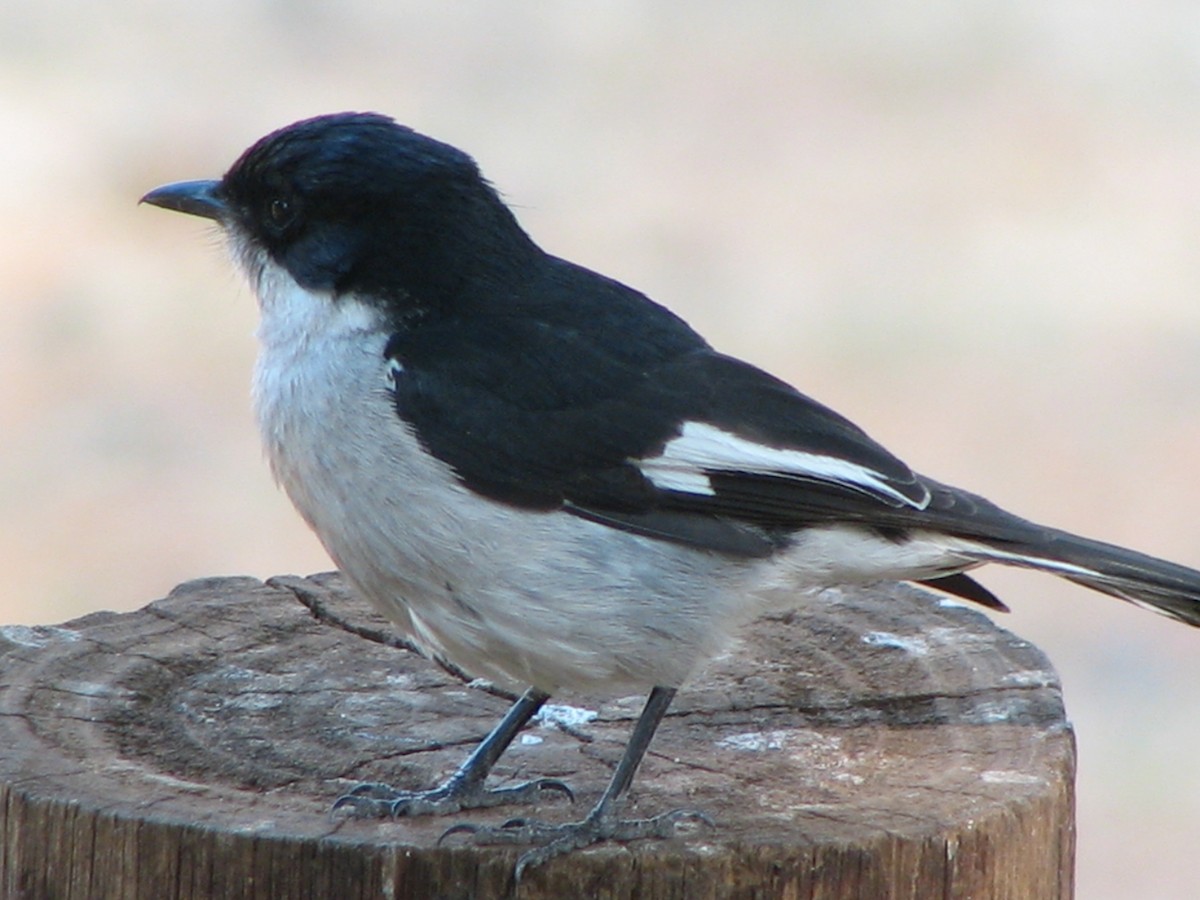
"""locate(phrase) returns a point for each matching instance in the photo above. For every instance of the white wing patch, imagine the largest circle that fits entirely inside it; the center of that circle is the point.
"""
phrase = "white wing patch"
(702, 448)
(392, 373)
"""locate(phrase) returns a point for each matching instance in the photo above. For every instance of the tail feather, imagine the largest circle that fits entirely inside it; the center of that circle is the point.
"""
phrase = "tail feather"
(1155, 584)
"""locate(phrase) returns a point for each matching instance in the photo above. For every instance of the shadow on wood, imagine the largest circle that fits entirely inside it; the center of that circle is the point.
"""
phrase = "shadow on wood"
(876, 743)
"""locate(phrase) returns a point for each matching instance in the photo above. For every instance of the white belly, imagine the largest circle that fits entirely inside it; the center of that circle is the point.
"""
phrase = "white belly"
(516, 596)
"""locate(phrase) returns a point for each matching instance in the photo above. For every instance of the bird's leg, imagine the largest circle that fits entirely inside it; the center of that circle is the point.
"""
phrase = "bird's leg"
(464, 789)
(602, 823)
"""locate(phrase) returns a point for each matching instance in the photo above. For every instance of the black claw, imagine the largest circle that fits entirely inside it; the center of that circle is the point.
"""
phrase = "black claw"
(371, 799)
(557, 840)
(460, 828)
(381, 801)
(553, 784)
(531, 859)
(385, 792)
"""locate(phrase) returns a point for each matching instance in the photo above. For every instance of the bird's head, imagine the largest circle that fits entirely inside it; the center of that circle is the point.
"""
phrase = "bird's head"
(354, 203)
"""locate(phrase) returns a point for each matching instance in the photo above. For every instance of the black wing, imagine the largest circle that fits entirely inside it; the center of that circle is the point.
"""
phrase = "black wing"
(612, 408)
(609, 407)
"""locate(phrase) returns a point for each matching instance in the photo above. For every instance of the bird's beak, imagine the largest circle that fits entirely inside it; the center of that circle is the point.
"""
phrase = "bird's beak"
(197, 198)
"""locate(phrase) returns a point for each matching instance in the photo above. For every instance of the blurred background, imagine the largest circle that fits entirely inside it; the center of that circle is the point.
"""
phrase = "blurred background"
(972, 227)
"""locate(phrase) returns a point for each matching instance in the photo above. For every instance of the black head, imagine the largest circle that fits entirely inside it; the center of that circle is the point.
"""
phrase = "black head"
(354, 202)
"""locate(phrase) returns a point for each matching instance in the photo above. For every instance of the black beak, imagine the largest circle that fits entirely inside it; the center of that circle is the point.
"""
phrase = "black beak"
(197, 198)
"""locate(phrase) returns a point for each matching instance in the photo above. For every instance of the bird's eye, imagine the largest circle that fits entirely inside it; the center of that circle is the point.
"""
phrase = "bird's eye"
(280, 212)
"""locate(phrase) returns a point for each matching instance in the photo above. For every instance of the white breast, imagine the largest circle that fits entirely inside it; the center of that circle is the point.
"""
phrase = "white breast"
(518, 596)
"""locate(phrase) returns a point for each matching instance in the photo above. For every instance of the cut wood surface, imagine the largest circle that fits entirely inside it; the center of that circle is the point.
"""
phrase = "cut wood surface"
(875, 743)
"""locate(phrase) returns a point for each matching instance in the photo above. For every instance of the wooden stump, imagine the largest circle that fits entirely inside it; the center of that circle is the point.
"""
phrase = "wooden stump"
(876, 743)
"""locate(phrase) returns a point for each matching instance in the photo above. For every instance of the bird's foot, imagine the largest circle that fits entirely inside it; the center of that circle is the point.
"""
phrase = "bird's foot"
(555, 840)
(381, 801)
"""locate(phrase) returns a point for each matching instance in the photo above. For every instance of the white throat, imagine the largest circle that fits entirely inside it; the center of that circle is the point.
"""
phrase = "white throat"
(292, 317)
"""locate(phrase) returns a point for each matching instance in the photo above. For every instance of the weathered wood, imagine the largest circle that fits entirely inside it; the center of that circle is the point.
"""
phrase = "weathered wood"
(876, 743)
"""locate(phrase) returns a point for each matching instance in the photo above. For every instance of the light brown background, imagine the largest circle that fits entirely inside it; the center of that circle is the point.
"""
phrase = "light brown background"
(973, 227)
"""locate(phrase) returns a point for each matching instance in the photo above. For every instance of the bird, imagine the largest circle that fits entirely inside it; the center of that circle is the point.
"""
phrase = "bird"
(546, 478)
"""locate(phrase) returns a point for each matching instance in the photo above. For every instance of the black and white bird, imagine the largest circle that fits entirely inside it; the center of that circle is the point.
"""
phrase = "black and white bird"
(543, 476)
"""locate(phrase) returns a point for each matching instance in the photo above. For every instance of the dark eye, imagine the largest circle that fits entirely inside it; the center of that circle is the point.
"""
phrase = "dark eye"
(280, 213)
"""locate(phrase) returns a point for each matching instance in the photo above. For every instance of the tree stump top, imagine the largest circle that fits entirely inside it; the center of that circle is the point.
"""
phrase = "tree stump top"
(874, 743)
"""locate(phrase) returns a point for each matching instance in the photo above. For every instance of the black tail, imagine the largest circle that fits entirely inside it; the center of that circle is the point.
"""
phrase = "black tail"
(1156, 584)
